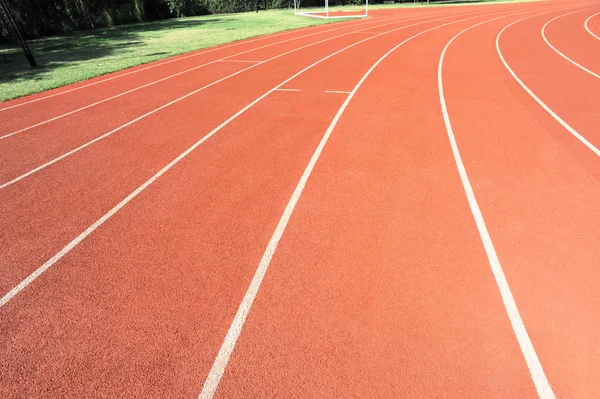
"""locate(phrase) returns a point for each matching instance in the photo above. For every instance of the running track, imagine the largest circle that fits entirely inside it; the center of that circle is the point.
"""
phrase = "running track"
(403, 206)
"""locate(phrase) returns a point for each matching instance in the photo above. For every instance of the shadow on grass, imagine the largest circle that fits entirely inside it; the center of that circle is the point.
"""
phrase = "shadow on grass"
(59, 51)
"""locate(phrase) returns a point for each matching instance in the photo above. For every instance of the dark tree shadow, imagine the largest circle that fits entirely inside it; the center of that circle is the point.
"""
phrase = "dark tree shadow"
(62, 50)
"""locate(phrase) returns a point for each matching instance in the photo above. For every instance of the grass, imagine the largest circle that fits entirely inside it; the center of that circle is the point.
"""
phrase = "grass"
(71, 58)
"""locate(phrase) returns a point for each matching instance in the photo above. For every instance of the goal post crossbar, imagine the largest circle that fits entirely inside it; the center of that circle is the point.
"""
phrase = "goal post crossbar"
(324, 14)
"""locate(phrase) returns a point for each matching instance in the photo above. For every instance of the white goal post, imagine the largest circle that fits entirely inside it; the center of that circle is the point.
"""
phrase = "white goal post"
(326, 14)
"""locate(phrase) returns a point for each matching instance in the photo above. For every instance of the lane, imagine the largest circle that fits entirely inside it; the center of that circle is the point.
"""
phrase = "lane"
(140, 307)
(552, 78)
(537, 187)
(380, 286)
(63, 136)
(567, 35)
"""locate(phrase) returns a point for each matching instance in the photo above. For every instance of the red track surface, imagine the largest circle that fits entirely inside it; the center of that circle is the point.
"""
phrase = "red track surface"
(594, 24)
(380, 285)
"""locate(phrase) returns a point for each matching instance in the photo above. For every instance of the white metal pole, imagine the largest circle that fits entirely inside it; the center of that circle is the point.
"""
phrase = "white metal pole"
(367, 9)
(327, 7)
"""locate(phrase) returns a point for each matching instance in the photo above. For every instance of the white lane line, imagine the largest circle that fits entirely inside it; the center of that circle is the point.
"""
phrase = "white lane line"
(64, 251)
(533, 363)
(166, 78)
(587, 27)
(226, 60)
(173, 59)
(317, 91)
(81, 147)
(536, 98)
(220, 363)
(559, 52)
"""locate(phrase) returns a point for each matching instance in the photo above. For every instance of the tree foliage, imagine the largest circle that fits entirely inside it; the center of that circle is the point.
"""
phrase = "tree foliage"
(37, 18)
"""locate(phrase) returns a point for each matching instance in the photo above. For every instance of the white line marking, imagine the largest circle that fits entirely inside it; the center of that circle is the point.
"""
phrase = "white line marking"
(317, 91)
(172, 76)
(218, 368)
(226, 60)
(39, 271)
(587, 27)
(81, 147)
(173, 59)
(533, 363)
(560, 53)
(536, 98)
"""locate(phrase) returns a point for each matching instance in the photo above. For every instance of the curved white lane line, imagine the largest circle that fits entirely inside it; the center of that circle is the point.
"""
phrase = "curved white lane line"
(559, 52)
(586, 24)
(105, 135)
(220, 363)
(67, 248)
(536, 98)
(533, 363)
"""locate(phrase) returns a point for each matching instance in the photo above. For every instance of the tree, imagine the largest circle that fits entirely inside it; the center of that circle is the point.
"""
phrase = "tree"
(178, 7)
